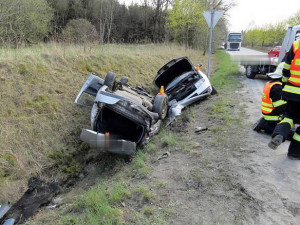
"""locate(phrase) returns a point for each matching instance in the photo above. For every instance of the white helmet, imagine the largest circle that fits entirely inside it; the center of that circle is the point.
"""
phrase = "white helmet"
(277, 74)
(297, 37)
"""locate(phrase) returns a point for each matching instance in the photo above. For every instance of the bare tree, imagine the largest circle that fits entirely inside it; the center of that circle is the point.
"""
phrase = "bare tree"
(158, 18)
(105, 10)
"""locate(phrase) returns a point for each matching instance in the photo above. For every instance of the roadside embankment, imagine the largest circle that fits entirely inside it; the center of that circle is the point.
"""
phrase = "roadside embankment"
(195, 183)
(40, 125)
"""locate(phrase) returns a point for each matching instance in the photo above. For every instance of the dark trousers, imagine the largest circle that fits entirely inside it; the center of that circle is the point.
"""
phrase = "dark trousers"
(265, 125)
(291, 117)
(268, 127)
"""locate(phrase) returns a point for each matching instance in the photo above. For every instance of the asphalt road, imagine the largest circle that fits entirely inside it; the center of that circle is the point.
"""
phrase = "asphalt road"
(246, 51)
(256, 85)
(268, 176)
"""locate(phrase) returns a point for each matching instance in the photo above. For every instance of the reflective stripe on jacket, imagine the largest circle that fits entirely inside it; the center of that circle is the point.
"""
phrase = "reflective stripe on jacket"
(294, 79)
(267, 105)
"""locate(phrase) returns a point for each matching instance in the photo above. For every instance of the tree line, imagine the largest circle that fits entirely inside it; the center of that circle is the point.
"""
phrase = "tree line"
(269, 35)
(24, 22)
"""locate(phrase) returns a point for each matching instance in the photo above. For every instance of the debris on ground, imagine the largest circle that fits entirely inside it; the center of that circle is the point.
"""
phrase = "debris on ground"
(38, 193)
(165, 155)
(4, 209)
(200, 130)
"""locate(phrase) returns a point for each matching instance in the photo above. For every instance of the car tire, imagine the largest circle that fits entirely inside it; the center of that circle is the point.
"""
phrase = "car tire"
(124, 80)
(214, 91)
(110, 81)
(160, 105)
(249, 72)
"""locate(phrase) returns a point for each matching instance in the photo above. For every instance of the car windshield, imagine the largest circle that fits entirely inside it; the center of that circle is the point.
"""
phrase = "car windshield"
(234, 37)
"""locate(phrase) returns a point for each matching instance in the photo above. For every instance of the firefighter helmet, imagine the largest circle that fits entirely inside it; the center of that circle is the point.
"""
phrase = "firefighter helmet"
(277, 74)
(297, 37)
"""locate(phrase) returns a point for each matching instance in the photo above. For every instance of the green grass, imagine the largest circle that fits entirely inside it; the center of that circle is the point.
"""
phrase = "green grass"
(40, 124)
(103, 205)
(99, 206)
(224, 77)
(168, 139)
(140, 168)
(224, 110)
(145, 194)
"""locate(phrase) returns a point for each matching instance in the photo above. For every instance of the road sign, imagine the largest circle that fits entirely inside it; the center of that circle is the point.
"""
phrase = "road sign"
(216, 16)
(211, 17)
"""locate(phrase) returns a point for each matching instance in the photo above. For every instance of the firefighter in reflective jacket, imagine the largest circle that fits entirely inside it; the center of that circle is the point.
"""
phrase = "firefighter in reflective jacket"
(273, 106)
(291, 93)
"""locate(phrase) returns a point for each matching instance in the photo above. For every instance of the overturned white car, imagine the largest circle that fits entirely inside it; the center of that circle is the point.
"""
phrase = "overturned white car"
(123, 116)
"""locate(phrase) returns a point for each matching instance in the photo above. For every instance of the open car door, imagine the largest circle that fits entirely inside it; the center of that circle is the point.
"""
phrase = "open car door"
(89, 90)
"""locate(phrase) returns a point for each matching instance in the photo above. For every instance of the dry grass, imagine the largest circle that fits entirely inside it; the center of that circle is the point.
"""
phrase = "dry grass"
(40, 125)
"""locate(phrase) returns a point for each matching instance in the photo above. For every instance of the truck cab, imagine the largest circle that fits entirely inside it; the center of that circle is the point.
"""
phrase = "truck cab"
(288, 41)
(233, 42)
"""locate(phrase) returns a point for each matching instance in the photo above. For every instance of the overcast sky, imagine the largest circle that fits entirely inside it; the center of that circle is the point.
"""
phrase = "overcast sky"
(261, 12)
(255, 12)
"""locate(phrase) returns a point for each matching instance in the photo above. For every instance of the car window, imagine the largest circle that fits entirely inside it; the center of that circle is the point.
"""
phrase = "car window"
(86, 100)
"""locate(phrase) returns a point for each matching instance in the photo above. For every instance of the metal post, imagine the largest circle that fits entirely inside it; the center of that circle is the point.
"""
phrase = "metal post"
(210, 40)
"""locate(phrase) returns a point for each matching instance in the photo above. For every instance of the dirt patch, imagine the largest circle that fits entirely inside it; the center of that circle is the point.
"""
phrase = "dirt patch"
(202, 185)
(38, 193)
(226, 175)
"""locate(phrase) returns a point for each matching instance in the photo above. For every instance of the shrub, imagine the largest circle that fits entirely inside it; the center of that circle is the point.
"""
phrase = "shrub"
(80, 31)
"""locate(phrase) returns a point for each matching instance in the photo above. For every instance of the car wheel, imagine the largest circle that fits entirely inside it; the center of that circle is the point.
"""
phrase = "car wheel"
(249, 72)
(214, 91)
(110, 81)
(160, 105)
(124, 80)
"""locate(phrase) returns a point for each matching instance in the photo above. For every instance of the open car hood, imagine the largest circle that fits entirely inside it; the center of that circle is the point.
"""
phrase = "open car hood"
(172, 70)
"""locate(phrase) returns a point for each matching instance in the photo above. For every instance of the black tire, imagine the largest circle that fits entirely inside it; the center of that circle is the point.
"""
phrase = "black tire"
(214, 91)
(160, 105)
(110, 81)
(124, 80)
(249, 72)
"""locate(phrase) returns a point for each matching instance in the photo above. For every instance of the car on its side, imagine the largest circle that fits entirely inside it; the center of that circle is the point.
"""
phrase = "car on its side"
(123, 116)
(275, 51)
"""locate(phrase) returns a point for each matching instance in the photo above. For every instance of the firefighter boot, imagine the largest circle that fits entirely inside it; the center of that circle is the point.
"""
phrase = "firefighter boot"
(294, 148)
(276, 141)
(259, 125)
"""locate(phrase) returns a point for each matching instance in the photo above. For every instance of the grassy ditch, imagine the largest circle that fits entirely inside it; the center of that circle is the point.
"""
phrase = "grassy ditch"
(38, 87)
(99, 205)
(225, 109)
(40, 124)
(126, 193)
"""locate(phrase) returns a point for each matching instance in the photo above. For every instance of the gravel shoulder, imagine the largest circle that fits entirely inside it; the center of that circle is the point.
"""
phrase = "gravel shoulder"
(229, 175)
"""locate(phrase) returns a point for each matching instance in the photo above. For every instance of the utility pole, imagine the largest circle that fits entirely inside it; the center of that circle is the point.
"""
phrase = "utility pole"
(212, 13)
(211, 17)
